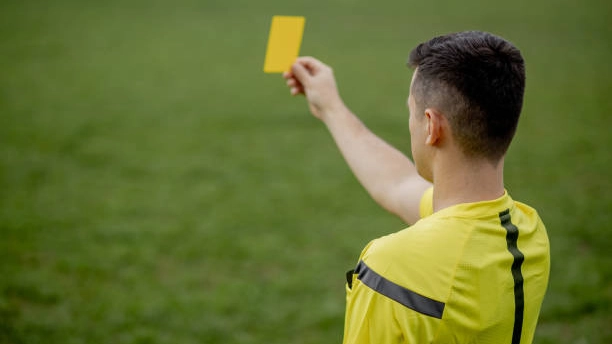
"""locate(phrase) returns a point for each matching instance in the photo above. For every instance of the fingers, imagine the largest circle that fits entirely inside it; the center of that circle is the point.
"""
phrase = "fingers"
(296, 91)
(295, 86)
(300, 73)
(311, 63)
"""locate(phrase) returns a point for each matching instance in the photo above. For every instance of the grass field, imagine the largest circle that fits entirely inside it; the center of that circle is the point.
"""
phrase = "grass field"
(157, 187)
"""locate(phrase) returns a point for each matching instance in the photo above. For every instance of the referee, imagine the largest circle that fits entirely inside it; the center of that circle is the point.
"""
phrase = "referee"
(474, 265)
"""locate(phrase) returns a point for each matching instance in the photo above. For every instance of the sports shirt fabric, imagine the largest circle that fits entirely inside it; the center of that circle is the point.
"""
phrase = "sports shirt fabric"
(470, 273)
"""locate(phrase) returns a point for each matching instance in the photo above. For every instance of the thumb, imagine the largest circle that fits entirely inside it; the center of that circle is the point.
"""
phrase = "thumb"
(301, 73)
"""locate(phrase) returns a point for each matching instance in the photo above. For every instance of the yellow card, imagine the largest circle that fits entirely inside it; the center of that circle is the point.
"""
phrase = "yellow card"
(283, 43)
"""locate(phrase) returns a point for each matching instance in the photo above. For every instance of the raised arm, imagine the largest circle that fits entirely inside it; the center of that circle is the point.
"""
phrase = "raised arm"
(386, 173)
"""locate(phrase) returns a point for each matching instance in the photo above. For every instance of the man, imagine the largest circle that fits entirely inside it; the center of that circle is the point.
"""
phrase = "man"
(474, 266)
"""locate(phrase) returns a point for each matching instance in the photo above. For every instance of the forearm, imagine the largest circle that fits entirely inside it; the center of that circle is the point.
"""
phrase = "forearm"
(386, 173)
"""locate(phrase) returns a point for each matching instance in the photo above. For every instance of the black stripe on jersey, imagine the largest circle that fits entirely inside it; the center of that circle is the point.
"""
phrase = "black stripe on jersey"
(406, 297)
(519, 296)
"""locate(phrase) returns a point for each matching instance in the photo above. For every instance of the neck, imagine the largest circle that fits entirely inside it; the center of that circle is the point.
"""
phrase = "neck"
(457, 180)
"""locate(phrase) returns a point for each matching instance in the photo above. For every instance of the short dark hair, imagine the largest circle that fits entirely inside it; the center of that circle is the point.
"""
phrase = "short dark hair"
(477, 80)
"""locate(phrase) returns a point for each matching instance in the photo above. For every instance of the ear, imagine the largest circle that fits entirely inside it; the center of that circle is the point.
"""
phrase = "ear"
(434, 126)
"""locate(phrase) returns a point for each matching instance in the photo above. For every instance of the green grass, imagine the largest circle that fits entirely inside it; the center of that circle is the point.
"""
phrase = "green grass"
(157, 187)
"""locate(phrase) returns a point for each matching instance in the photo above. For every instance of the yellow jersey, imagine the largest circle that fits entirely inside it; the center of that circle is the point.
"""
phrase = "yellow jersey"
(470, 273)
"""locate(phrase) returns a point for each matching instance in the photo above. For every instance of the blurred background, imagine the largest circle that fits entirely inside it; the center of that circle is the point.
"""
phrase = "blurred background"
(157, 187)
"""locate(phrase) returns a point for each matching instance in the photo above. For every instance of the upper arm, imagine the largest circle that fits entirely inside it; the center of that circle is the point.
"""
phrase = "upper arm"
(369, 317)
(405, 199)
(373, 318)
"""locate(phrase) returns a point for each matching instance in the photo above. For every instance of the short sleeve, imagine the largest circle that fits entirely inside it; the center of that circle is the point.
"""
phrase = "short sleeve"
(373, 317)
(370, 318)
(426, 205)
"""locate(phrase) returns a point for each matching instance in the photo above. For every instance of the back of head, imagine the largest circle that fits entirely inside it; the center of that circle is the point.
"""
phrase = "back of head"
(477, 80)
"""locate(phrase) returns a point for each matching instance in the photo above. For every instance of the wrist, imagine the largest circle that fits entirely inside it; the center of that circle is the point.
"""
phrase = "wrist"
(333, 111)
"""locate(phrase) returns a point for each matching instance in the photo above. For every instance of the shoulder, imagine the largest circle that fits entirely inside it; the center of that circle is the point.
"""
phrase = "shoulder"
(528, 222)
(421, 258)
(429, 237)
(426, 203)
(525, 211)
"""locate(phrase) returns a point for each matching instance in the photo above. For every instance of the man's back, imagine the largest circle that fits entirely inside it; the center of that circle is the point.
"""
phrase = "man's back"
(470, 273)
